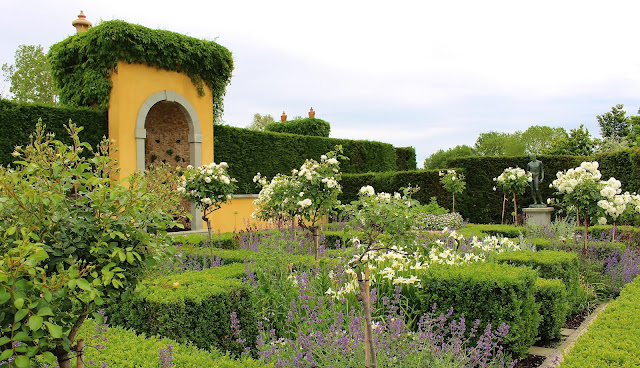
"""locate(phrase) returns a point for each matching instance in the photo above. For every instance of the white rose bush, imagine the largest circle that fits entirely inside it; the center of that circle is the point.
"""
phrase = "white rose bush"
(309, 193)
(208, 187)
(513, 180)
(277, 200)
(387, 223)
(594, 200)
(453, 182)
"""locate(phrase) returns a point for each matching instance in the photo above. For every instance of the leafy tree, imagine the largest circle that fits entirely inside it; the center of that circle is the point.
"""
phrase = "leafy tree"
(614, 123)
(499, 144)
(539, 138)
(578, 143)
(441, 158)
(260, 121)
(30, 76)
(71, 240)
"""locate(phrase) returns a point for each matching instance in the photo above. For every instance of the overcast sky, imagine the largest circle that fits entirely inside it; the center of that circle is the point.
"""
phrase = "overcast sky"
(427, 74)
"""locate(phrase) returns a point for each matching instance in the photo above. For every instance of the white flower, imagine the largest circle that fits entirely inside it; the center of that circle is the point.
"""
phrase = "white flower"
(305, 203)
(332, 161)
(224, 165)
(207, 179)
(367, 190)
(602, 221)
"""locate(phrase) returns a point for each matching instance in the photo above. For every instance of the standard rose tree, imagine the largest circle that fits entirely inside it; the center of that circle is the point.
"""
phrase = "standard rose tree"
(208, 187)
(513, 180)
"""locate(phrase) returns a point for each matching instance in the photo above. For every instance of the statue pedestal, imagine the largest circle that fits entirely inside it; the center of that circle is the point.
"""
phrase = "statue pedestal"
(540, 216)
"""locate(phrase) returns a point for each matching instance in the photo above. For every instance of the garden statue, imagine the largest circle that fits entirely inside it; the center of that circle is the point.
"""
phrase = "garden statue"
(536, 169)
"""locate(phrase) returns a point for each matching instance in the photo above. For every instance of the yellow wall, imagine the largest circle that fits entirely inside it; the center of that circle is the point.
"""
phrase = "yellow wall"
(132, 85)
(233, 215)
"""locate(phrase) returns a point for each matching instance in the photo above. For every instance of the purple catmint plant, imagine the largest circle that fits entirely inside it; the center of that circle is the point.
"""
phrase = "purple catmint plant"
(166, 356)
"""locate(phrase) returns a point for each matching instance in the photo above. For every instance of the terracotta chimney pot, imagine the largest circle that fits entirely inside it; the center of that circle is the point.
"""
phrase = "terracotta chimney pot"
(81, 24)
(283, 117)
(312, 114)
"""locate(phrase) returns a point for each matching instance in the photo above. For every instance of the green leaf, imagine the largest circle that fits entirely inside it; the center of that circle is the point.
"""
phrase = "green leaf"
(35, 322)
(22, 361)
(20, 314)
(54, 330)
(45, 311)
(6, 354)
(49, 357)
(71, 284)
(18, 303)
(83, 284)
(4, 340)
(4, 296)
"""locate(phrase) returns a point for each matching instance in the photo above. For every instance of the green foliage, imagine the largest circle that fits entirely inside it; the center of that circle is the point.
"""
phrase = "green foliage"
(490, 292)
(18, 120)
(406, 158)
(551, 295)
(83, 63)
(193, 306)
(498, 144)
(536, 139)
(124, 348)
(440, 159)
(613, 338)
(307, 126)
(260, 122)
(578, 143)
(30, 76)
(248, 152)
(614, 123)
(72, 239)
(550, 264)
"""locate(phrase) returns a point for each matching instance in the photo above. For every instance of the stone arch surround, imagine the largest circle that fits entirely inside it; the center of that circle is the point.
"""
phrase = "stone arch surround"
(195, 135)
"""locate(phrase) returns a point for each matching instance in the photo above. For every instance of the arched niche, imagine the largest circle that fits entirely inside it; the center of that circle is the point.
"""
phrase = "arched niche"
(170, 102)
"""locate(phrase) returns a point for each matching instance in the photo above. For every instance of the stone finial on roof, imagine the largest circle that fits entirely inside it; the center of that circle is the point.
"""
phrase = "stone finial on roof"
(81, 24)
(283, 117)
(312, 114)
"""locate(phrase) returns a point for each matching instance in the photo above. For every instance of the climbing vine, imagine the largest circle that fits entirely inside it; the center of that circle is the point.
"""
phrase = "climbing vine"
(82, 64)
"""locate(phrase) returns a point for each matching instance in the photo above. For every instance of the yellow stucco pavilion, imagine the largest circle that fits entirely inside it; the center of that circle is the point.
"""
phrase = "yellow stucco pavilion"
(158, 115)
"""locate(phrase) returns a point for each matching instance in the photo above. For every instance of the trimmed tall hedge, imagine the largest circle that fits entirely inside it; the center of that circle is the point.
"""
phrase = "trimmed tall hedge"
(613, 340)
(307, 126)
(194, 307)
(493, 293)
(480, 204)
(18, 121)
(550, 264)
(248, 152)
(427, 180)
(406, 158)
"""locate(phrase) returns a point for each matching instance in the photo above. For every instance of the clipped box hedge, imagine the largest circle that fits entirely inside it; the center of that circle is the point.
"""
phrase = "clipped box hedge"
(124, 348)
(248, 152)
(18, 121)
(508, 231)
(550, 264)
(613, 340)
(493, 293)
(193, 306)
(307, 126)
(551, 295)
